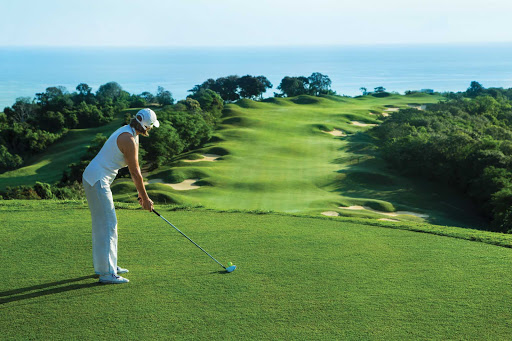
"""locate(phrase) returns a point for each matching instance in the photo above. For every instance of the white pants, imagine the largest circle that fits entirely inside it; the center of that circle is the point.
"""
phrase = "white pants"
(104, 227)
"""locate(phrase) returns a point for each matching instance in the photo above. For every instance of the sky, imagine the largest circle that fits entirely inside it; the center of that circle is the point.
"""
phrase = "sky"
(252, 22)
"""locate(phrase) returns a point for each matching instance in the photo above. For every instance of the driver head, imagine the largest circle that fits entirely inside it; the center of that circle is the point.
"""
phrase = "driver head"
(231, 268)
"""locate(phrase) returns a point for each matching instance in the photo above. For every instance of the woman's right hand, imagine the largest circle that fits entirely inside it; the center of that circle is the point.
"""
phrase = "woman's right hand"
(146, 203)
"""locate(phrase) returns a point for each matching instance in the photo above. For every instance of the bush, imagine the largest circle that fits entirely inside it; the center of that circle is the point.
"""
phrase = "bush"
(43, 190)
(21, 192)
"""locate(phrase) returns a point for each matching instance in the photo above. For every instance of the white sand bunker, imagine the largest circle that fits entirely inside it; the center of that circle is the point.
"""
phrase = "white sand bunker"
(392, 109)
(419, 107)
(331, 213)
(182, 186)
(336, 132)
(386, 219)
(389, 214)
(206, 157)
(185, 185)
(361, 124)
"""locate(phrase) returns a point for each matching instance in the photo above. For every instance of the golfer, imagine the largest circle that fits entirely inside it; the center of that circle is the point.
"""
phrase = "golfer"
(120, 150)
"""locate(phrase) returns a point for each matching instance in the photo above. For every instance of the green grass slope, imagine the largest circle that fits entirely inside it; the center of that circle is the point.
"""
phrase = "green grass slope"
(49, 165)
(297, 278)
(276, 156)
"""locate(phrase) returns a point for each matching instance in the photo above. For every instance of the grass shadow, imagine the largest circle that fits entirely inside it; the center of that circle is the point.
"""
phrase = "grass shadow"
(51, 288)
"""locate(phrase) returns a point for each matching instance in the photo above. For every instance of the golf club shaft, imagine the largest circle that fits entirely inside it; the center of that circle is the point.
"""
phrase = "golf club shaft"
(184, 235)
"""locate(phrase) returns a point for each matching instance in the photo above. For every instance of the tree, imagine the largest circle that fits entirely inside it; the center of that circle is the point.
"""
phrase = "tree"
(109, 93)
(379, 89)
(162, 144)
(51, 121)
(189, 104)
(22, 110)
(148, 97)
(83, 89)
(164, 97)
(84, 94)
(8, 160)
(294, 86)
(210, 102)
(55, 98)
(250, 87)
(265, 84)
(475, 89)
(227, 88)
(364, 90)
(319, 83)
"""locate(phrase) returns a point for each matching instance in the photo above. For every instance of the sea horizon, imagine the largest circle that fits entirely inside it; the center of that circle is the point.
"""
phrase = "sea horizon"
(26, 70)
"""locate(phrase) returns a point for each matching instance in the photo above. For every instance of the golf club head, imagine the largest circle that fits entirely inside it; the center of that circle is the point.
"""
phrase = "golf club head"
(231, 268)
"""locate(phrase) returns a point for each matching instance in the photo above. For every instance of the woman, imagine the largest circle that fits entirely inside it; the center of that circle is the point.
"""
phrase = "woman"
(120, 150)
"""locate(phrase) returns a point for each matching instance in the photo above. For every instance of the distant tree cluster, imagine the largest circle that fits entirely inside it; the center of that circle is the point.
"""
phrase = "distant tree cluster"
(317, 84)
(30, 125)
(466, 142)
(232, 88)
(378, 91)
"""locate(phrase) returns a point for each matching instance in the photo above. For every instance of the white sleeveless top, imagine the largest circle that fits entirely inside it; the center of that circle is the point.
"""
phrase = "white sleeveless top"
(110, 159)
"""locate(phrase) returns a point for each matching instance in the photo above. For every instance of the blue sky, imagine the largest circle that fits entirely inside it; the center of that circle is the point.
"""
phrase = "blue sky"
(251, 23)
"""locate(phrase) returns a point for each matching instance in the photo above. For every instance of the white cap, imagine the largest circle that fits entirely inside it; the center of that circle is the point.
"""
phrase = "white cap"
(148, 118)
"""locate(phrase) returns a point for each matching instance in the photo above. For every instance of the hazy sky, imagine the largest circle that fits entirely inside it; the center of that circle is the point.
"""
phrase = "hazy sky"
(251, 22)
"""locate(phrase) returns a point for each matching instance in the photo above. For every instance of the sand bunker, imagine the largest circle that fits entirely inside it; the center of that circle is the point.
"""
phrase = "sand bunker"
(353, 208)
(185, 185)
(360, 124)
(419, 107)
(393, 109)
(182, 186)
(386, 219)
(336, 132)
(389, 214)
(331, 213)
(206, 157)
(389, 110)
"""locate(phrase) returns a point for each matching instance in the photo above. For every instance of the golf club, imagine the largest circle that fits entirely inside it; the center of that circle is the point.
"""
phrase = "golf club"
(230, 268)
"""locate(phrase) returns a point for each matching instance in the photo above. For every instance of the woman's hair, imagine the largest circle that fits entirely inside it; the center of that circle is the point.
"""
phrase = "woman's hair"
(138, 127)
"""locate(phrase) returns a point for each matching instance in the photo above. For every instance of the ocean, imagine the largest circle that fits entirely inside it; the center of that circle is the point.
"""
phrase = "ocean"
(26, 70)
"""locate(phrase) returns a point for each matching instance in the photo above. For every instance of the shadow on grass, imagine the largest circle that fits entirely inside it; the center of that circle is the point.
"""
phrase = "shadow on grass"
(220, 272)
(366, 175)
(13, 295)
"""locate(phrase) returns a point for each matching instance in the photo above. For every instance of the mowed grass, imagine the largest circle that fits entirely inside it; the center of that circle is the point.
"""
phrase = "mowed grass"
(49, 165)
(297, 278)
(276, 156)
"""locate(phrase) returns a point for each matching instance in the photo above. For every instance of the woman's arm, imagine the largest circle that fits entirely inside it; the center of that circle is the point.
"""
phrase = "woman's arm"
(129, 148)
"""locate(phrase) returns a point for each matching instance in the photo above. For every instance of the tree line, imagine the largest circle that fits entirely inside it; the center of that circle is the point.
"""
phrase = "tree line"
(464, 141)
(184, 126)
(30, 125)
(232, 88)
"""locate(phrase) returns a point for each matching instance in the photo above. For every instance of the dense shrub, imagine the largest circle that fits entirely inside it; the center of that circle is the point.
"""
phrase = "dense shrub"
(464, 142)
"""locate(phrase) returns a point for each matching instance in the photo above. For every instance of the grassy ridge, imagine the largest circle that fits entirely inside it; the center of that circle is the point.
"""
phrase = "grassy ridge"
(298, 278)
(277, 156)
(49, 165)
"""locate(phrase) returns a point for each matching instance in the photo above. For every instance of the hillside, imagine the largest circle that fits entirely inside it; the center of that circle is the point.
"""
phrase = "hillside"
(49, 165)
(278, 155)
(303, 155)
(297, 278)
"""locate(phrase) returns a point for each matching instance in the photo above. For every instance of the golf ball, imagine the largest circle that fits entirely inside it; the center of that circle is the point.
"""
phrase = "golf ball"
(230, 264)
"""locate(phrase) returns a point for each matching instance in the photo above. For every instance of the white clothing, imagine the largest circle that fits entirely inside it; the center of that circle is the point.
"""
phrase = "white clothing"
(104, 228)
(110, 159)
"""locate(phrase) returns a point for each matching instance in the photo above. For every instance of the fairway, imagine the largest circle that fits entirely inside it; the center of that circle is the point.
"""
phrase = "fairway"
(297, 278)
(276, 155)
